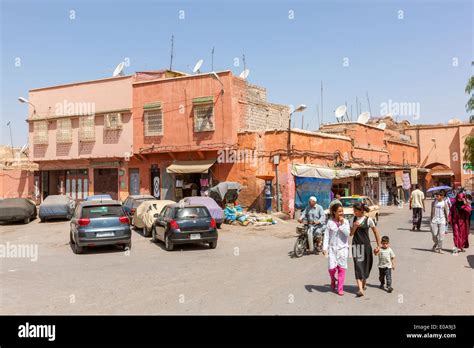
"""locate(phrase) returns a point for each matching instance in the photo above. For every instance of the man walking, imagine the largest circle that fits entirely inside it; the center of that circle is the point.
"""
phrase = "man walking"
(417, 204)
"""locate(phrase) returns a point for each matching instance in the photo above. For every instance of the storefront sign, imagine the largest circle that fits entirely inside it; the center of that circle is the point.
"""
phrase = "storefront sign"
(372, 174)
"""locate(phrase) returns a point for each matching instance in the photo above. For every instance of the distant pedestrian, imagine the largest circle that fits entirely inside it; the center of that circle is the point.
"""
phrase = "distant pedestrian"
(459, 219)
(417, 205)
(446, 198)
(386, 264)
(361, 248)
(336, 200)
(336, 246)
(439, 221)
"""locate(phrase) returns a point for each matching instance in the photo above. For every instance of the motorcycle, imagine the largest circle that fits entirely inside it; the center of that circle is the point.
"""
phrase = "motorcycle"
(302, 243)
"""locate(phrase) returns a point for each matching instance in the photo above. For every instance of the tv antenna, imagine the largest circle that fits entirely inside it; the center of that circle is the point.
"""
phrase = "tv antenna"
(340, 112)
(212, 59)
(172, 49)
(368, 102)
(363, 117)
(119, 70)
(198, 66)
(243, 61)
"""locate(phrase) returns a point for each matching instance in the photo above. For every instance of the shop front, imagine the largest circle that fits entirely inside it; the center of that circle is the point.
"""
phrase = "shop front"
(191, 178)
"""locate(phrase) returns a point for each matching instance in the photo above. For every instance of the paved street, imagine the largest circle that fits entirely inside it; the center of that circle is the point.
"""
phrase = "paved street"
(251, 272)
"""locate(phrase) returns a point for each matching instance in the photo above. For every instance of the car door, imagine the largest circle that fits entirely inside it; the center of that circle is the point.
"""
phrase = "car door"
(161, 223)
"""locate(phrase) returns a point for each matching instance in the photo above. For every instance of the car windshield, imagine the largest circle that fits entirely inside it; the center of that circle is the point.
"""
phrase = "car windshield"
(101, 211)
(192, 213)
(349, 202)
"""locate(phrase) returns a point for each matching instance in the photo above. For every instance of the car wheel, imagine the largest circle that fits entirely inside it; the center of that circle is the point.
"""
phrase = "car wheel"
(127, 246)
(42, 219)
(219, 225)
(153, 234)
(168, 244)
(145, 232)
(26, 220)
(77, 249)
(213, 245)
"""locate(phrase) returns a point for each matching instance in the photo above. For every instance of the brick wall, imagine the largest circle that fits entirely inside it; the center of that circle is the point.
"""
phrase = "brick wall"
(258, 114)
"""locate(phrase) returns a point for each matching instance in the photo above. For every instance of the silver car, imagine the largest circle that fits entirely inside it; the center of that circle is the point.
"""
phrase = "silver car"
(100, 223)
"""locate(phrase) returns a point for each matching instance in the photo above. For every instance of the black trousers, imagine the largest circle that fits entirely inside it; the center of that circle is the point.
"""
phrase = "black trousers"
(417, 215)
(385, 273)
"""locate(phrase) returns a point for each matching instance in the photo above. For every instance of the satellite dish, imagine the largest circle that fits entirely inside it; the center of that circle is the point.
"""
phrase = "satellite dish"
(340, 111)
(198, 66)
(244, 74)
(382, 125)
(363, 117)
(23, 148)
(119, 69)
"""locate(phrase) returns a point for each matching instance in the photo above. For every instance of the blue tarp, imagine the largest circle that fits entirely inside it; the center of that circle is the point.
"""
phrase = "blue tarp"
(307, 187)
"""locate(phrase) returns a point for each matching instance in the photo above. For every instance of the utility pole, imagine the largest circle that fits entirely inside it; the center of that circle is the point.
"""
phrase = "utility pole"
(322, 110)
(212, 59)
(11, 140)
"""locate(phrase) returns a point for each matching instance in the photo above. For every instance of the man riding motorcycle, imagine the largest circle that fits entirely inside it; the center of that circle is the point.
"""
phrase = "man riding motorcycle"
(314, 216)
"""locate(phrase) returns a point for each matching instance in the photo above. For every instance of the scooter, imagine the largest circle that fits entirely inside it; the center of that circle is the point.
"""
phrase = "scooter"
(302, 244)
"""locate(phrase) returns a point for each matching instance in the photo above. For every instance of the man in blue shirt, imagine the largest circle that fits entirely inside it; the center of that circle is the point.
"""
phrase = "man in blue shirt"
(313, 215)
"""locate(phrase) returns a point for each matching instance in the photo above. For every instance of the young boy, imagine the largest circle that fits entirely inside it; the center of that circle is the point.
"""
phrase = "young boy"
(386, 264)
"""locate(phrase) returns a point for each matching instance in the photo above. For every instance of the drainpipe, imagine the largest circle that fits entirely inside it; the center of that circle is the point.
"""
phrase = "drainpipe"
(276, 161)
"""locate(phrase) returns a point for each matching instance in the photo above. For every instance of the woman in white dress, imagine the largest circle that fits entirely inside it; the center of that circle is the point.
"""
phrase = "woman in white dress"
(336, 247)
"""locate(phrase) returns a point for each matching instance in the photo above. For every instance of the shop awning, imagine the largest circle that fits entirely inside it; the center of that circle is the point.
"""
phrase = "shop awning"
(446, 172)
(187, 167)
(313, 171)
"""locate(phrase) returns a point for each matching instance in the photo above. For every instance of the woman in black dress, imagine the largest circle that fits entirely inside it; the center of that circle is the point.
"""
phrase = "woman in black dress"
(361, 248)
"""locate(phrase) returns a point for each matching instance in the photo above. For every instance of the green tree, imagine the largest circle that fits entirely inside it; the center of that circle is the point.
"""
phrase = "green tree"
(469, 141)
(470, 90)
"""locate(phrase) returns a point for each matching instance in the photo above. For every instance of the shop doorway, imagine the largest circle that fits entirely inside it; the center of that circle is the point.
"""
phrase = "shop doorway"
(155, 181)
(106, 182)
(134, 174)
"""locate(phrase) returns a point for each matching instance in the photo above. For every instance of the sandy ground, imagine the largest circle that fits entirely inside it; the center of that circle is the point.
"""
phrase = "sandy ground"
(251, 271)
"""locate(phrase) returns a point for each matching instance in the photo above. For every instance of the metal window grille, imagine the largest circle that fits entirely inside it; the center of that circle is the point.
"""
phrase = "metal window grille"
(64, 131)
(86, 128)
(113, 121)
(40, 132)
(154, 122)
(204, 117)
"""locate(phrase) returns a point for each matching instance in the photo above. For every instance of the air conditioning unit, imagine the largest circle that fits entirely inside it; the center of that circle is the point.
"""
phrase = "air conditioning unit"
(113, 121)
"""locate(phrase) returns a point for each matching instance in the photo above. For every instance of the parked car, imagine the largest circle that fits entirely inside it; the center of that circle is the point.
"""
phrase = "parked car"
(57, 206)
(99, 223)
(348, 202)
(132, 203)
(178, 224)
(17, 209)
(146, 213)
(215, 210)
(105, 197)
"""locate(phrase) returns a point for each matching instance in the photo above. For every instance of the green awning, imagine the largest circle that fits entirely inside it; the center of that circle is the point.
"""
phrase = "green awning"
(203, 100)
(154, 105)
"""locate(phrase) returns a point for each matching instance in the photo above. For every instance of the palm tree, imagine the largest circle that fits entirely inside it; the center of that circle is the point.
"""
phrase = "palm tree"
(469, 142)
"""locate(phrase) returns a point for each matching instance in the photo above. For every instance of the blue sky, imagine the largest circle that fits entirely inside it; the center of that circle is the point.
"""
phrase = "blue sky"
(407, 60)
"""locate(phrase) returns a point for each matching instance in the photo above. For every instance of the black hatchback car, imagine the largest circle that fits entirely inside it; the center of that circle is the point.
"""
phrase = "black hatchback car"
(184, 224)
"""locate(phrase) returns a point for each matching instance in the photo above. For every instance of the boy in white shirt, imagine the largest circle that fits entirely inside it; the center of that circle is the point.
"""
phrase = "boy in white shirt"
(386, 264)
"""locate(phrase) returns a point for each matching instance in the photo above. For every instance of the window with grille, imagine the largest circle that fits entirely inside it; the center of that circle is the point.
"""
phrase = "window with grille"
(153, 122)
(204, 117)
(64, 131)
(113, 121)
(40, 132)
(86, 128)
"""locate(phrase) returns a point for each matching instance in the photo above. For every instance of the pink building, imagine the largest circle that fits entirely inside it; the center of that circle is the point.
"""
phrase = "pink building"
(81, 135)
